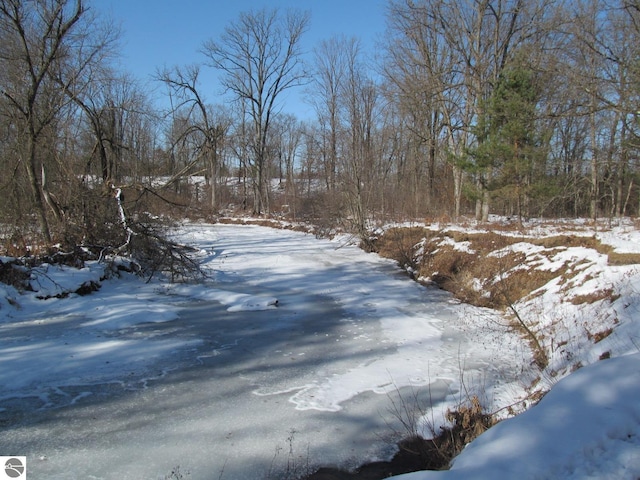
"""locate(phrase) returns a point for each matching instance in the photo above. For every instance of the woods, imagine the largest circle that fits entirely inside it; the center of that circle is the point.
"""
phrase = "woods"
(469, 108)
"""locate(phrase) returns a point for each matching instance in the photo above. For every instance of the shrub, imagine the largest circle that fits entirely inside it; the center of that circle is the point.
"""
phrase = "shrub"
(14, 273)
(467, 422)
(401, 244)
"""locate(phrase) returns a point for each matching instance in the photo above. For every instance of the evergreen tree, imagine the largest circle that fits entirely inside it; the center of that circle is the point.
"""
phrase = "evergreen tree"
(508, 142)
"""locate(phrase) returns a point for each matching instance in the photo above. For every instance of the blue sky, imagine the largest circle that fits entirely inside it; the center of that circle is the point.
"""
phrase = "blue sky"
(157, 33)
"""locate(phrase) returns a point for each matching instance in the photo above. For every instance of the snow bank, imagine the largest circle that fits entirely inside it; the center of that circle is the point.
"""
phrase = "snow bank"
(52, 280)
(586, 427)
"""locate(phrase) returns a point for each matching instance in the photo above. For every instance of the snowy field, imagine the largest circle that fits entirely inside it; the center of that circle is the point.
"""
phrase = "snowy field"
(291, 353)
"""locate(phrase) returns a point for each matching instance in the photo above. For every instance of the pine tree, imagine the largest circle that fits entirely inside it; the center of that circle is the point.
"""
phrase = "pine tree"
(508, 142)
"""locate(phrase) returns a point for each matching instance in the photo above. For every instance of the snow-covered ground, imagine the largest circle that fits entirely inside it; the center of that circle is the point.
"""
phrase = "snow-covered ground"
(588, 425)
(136, 378)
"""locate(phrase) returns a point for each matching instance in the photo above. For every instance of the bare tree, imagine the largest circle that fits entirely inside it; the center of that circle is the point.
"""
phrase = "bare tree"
(287, 142)
(108, 102)
(359, 107)
(46, 54)
(208, 129)
(325, 93)
(424, 74)
(604, 51)
(260, 58)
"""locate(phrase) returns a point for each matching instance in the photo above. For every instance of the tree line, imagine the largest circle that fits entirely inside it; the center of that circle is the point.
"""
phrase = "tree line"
(475, 107)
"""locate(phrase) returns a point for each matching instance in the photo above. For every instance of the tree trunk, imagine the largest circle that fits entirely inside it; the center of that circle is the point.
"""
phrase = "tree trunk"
(485, 204)
(457, 191)
(593, 206)
(36, 191)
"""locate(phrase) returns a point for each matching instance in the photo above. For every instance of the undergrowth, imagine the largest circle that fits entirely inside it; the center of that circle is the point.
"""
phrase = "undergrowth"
(465, 264)
(488, 269)
(148, 253)
(465, 423)
(479, 269)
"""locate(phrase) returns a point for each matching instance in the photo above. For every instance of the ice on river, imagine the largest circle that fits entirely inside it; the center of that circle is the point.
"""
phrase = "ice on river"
(291, 353)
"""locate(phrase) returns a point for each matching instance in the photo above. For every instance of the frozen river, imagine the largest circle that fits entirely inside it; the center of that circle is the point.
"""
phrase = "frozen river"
(214, 378)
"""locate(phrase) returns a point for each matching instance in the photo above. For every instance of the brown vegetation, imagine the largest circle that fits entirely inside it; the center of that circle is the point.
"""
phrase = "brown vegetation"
(388, 146)
(416, 453)
(401, 244)
(476, 274)
(15, 274)
(615, 258)
(599, 336)
(480, 269)
(595, 296)
(77, 124)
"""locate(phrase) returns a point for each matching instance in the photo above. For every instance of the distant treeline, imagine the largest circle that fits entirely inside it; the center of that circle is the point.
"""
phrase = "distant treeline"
(515, 107)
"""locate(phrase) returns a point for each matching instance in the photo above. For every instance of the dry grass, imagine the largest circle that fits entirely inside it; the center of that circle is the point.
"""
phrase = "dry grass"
(595, 296)
(451, 269)
(599, 336)
(483, 243)
(615, 258)
(416, 453)
(400, 244)
(567, 241)
(478, 278)
(475, 275)
(468, 422)
(519, 284)
(480, 269)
